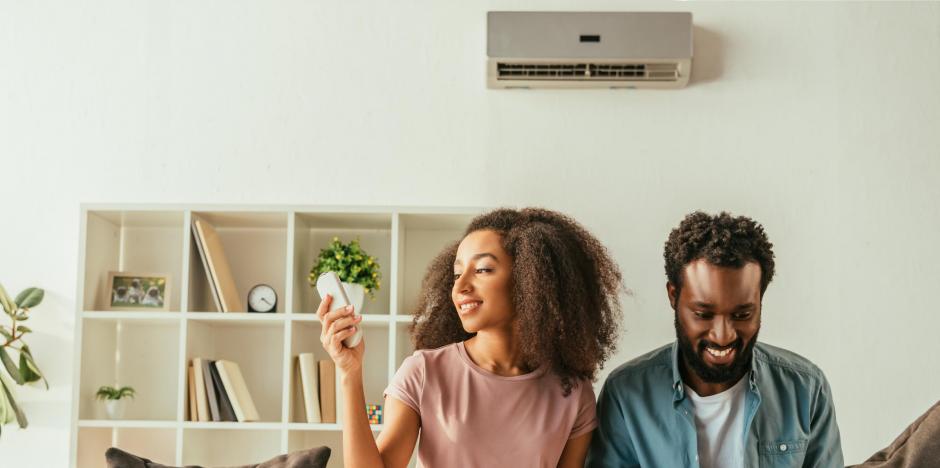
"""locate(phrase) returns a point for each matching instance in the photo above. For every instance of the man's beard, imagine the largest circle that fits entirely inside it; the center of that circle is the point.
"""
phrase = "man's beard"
(715, 374)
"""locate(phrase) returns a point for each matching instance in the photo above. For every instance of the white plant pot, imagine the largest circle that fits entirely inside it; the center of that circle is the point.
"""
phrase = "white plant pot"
(356, 294)
(114, 408)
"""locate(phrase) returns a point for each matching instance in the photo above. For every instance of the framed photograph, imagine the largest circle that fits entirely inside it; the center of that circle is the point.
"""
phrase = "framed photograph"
(136, 291)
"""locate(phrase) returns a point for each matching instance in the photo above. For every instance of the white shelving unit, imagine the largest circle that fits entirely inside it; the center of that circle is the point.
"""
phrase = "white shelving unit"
(272, 245)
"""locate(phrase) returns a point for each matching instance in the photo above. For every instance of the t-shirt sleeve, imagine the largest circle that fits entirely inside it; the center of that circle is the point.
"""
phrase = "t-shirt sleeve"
(586, 420)
(408, 383)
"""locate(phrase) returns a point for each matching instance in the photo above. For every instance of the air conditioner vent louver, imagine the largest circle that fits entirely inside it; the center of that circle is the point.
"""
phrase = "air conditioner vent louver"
(588, 71)
(619, 50)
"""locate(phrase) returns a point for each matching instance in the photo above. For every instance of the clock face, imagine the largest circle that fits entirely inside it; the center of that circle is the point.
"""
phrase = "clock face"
(262, 298)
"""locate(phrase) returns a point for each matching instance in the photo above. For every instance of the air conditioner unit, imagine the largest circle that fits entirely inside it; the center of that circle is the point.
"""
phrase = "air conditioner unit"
(588, 50)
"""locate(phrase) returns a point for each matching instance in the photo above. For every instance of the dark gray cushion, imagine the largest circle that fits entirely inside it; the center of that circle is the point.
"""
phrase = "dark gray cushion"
(312, 458)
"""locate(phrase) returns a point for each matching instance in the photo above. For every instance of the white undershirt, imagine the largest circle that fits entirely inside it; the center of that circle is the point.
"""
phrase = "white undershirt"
(719, 422)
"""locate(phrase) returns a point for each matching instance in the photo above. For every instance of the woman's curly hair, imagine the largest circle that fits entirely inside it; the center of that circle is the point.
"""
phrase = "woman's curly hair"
(722, 240)
(565, 293)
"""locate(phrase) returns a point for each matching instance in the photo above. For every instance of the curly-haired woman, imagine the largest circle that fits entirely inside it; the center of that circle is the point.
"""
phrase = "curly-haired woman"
(513, 323)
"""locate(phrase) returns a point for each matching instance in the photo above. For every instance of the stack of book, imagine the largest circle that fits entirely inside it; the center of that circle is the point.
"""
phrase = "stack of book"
(317, 387)
(218, 272)
(217, 392)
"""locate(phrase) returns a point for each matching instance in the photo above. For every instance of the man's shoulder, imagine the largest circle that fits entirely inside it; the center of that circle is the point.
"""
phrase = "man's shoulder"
(783, 361)
(654, 364)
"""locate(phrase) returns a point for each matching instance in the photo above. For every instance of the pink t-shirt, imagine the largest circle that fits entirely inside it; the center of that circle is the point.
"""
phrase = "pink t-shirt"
(474, 418)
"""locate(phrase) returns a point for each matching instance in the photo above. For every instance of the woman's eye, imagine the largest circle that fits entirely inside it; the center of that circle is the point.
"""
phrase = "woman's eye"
(484, 270)
(456, 275)
(702, 315)
(742, 316)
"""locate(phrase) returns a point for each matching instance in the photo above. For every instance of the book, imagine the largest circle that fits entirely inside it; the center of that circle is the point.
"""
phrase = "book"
(311, 391)
(210, 390)
(219, 268)
(226, 413)
(202, 403)
(205, 266)
(192, 393)
(237, 391)
(327, 391)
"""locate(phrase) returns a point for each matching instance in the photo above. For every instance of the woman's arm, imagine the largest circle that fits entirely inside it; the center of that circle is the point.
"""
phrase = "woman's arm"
(398, 439)
(575, 451)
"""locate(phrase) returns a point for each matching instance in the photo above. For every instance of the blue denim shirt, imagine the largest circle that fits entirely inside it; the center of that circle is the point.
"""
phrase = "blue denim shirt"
(647, 421)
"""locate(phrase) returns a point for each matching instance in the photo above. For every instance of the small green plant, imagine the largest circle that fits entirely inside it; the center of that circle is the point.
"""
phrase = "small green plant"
(106, 392)
(351, 264)
(11, 339)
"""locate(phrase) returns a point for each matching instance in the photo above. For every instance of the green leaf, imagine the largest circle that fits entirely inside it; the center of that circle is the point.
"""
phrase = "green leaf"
(31, 297)
(11, 366)
(5, 333)
(6, 301)
(21, 317)
(7, 415)
(25, 372)
(32, 364)
(20, 417)
(24, 329)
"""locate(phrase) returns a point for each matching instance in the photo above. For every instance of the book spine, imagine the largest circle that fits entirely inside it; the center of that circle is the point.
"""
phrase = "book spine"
(210, 390)
(202, 403)
(308, 377)
(226, 413)
(237, 390)
(327, 391)
(193, 415)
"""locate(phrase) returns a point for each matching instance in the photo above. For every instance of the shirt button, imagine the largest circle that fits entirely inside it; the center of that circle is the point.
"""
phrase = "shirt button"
(783, 447)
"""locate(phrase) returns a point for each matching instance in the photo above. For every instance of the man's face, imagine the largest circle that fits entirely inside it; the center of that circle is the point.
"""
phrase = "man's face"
(717, 319)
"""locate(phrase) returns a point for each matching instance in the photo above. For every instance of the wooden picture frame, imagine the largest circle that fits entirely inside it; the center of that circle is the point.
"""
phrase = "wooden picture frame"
(134, 291)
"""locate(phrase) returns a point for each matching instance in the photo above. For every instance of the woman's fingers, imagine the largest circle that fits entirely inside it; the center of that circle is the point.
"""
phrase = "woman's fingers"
(328, 318)
(337, 339)
(343, 323)
(324, 306)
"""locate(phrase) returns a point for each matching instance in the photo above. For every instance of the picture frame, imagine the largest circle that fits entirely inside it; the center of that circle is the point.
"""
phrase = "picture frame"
(132, 291)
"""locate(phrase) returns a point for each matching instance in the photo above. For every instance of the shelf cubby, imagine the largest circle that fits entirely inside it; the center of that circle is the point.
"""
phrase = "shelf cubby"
(307, 439)
(155, 444)
(256, 346)
(421, 237)
(137, 353)
(315, 231)
(137, 242)
(229, 447)
(255, 244)
(403, 345)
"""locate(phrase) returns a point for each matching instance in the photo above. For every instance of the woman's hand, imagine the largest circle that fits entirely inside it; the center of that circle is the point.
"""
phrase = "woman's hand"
(336, 326)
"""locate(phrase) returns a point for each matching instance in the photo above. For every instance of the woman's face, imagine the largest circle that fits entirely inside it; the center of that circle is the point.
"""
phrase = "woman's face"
(482, 290)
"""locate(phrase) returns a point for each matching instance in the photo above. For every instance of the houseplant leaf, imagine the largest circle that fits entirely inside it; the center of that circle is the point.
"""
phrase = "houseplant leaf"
(6, 411)
(5, 301)
(30, 364)
(10, 365)
(8, 393)
(30, 297)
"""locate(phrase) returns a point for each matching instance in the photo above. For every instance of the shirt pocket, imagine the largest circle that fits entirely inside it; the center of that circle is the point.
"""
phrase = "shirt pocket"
(782, 453)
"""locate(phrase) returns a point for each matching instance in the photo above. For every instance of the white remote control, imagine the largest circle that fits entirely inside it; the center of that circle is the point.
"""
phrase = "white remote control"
(329, 283)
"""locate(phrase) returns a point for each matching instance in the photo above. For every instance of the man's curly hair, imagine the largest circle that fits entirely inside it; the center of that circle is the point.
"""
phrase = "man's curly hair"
(721, 240)
(565, 290)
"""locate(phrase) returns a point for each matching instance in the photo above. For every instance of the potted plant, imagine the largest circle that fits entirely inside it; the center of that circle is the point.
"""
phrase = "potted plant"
(114, 399)
(11, 340)
(358, 271)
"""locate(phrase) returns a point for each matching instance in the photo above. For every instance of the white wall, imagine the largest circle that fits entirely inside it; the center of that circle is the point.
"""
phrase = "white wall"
(820, 120)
